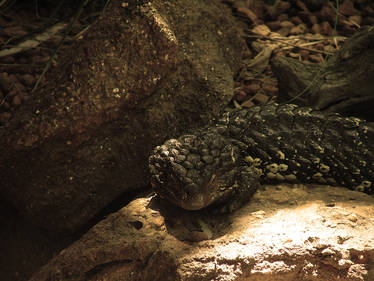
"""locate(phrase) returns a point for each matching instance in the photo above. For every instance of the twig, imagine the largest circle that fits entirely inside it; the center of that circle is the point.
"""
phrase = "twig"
(322, 38)
(296, 46)
(34, 42)
(67, 31)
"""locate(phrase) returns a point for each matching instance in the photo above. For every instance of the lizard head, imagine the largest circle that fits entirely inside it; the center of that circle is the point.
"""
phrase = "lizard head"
(197, 170)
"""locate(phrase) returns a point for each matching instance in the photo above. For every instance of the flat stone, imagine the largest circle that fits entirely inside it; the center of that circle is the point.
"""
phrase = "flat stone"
(297, 238)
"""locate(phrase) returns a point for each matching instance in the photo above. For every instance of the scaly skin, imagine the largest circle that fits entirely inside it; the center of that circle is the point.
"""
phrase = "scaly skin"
(224, 164)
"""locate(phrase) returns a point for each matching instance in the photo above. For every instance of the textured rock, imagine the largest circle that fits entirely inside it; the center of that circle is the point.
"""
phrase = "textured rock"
(144, 72)
(286, 232)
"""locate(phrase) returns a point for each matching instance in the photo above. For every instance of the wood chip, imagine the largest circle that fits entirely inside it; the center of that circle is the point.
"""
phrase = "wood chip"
(252, 88)
(270, 90)
(347, 8)
(247, 104)
(316, 58)
(355, 20)
(5, 116)
(240, 96)
(296, 20)
(325, 28)
(260, 98)
(27, 80)
(287, 23)
(300, 29)
(301, 5)
(274, 25)
(17, 101)
(316, 29)
(262, 30)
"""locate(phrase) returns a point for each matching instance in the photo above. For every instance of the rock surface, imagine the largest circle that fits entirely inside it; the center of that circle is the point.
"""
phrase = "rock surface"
(286, 232)
(140, 74)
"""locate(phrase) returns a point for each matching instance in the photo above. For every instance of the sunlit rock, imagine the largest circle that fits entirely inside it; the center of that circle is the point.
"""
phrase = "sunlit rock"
(287, 232)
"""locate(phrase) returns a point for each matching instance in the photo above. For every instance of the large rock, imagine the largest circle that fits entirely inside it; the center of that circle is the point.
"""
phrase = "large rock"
(286, 232)
(144, 72)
